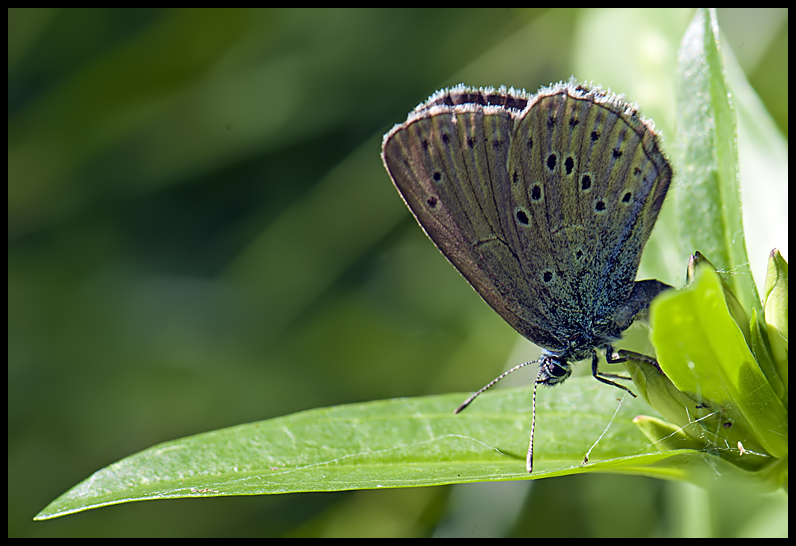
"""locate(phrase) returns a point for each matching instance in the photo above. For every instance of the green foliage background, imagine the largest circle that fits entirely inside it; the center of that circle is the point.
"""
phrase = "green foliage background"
(201, 234)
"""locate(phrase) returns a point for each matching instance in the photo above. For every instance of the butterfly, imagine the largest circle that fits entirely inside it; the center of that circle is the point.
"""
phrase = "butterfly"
(544, 204)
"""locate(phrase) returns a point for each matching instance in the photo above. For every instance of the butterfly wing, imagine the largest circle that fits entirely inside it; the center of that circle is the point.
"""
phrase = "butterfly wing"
(542, 203)
(449, 163)
(588, 182)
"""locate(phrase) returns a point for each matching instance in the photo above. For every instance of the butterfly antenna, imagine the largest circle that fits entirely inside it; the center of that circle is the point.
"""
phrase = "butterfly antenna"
(492, 383)
(529, 457)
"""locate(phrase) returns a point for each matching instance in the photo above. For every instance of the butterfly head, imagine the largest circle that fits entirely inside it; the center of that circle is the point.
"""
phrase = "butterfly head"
(553, 370)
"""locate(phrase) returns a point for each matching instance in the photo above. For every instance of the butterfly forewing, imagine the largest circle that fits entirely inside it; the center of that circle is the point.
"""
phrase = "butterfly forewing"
(450, 165)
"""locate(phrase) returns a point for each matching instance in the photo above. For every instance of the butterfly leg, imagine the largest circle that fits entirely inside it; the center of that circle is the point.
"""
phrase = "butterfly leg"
(604, 377)
(623, 356)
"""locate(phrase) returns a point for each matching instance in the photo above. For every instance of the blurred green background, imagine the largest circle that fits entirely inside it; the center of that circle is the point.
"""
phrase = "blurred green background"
(201, 234)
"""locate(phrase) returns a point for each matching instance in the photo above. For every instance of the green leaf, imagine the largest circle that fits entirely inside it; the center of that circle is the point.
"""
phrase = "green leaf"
(403, 442)
(707, 192)
(704, 353)
(776, 318)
